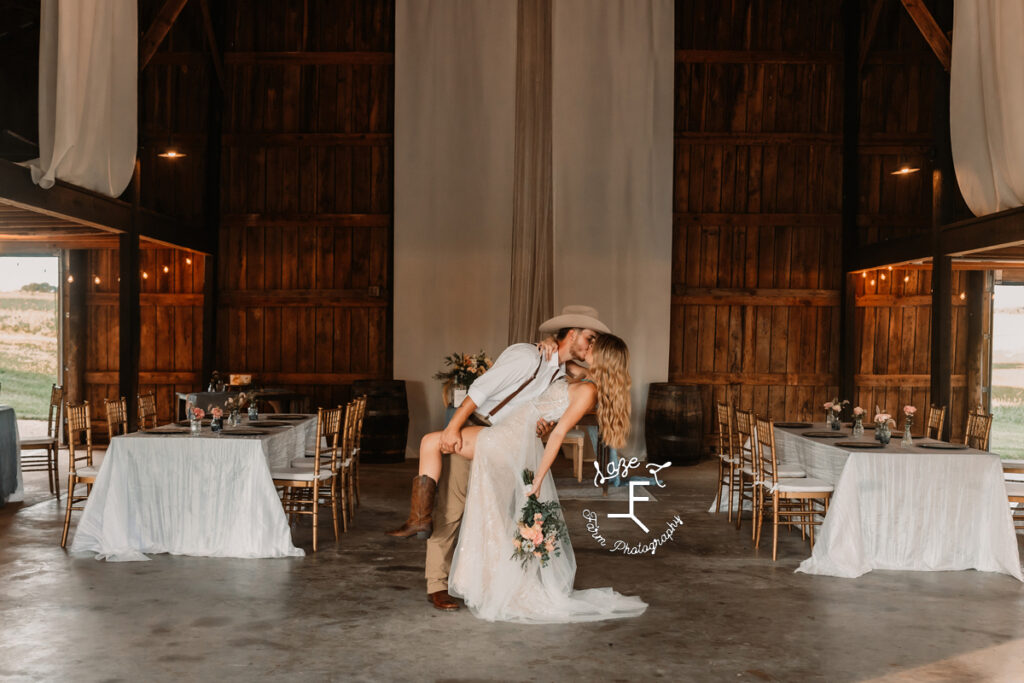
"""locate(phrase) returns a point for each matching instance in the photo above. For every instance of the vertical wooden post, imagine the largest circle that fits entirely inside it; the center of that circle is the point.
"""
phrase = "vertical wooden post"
(976, 317)
(943, 187)
(851, 194)
(128, 367)
(213, 17)
(74, 316)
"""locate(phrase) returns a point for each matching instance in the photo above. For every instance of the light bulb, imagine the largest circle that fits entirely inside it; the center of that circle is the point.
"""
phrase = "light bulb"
(145, 275)
(188, 260)
(71, 278)
(96, 279)
(906, 278)
(872, 281)
(167, 269)
(882, 276)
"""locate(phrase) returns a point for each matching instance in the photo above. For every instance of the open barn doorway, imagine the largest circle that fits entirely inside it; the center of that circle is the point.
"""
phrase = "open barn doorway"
(1008, 368)
(29, 337)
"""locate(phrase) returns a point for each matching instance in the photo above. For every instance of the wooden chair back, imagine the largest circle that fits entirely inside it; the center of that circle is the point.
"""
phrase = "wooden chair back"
(328, 427)
(936, 419)
(357, 424)
(117, 416)
(979, 428)
(726, 431)
(147, 411)
(53, 418)
(744, 435)
(766, 462)
(79, 422)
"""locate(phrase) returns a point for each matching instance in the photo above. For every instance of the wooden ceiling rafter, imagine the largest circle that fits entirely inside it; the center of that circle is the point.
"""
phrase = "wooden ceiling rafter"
(211, 43)
(933, 34)
(158, 30)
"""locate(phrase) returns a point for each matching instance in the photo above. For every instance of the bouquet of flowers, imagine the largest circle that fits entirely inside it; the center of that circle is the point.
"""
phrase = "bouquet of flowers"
(464, 368)
(233, 403)
(538, 529)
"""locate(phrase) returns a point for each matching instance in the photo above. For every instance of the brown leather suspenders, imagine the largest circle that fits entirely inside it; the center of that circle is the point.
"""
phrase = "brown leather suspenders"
(516, 392)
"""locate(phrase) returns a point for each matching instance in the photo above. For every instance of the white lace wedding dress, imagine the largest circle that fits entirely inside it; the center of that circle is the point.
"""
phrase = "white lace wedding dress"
(494, 586)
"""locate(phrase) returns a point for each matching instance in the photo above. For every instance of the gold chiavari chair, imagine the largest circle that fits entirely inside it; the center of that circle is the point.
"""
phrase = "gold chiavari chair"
(792, 498)
(979, 427)
(79, 425)
(743, 423)
(936, 419)
(117, 416)
(147, 411)
(357, 437)
(302, 485)
(728, 457)
(341, 433)
(1015, 494)
(44, 459)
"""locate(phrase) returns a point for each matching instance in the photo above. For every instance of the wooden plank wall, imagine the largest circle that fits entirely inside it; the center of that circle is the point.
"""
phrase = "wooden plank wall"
(756, 265)
(893, 315)
(171, 311)
(305, 248)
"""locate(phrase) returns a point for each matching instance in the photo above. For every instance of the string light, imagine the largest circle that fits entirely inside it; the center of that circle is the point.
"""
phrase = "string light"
(864, 274)
(906, 278)
(167, 269)
(872, 281)
(145, 275)
(96, 279)
(882, 276)
(188, 260)
(963, 296)
(71, 278)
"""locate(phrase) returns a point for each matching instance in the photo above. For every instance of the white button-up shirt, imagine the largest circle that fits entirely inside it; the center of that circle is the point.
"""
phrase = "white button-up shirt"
(514, 366)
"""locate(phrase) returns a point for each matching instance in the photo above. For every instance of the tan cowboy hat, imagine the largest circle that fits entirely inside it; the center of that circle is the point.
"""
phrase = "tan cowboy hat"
(575, 316)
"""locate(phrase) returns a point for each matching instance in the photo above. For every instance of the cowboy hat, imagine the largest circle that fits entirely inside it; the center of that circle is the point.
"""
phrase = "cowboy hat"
(584, 317)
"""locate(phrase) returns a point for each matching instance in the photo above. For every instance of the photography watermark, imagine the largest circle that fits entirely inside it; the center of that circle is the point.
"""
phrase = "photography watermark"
(621, 469)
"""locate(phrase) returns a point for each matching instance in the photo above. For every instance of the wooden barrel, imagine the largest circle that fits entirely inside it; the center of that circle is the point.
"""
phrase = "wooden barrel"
(673, 424)
(386, 423)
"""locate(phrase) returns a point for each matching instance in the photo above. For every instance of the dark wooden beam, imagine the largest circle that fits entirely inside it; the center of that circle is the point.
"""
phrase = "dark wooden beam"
(869, 32)
(930, 29)
(850, 195)
(129, 318)
(211, 42)
(158, 30)
(943, 188)
(1002, 229)
(84, 207)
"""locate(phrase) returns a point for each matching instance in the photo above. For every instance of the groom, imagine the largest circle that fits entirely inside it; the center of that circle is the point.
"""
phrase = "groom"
(520, 374)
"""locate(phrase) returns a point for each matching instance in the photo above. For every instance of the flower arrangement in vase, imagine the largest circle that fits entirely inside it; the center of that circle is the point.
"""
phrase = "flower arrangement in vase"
(234, 406)
(908, 414)
(858, 422)
(883, 427)
(463, 368)
(216, 419)
(832, 410)
(195, 419)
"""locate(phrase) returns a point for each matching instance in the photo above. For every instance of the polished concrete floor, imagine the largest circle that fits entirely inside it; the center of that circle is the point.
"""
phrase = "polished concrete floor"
(719, 610)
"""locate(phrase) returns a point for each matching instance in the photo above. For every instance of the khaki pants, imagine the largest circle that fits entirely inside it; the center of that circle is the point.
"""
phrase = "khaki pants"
(451, 501)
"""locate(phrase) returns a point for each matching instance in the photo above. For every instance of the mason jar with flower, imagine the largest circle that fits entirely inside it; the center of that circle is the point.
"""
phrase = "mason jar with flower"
(216, 419)
(908, 415)
(883, 427)
(858, 422)
(195, 419)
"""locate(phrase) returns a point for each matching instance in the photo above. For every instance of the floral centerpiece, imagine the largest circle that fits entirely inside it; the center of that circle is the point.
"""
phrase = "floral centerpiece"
(858, 421)
(538, 530)
(832, 410)
(463, 368)
(217, 418)
(234, 406)
(908, 415)
(195, 418)
(883, 427)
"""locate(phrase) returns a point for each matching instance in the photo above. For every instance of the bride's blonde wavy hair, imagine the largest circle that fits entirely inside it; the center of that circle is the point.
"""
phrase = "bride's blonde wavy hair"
(609, 370)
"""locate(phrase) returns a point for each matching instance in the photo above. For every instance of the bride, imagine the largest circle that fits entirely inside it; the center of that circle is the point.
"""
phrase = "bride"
(495, 586)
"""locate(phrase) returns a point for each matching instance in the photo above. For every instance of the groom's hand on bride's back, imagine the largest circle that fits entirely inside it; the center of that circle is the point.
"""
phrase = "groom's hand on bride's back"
(544, 427)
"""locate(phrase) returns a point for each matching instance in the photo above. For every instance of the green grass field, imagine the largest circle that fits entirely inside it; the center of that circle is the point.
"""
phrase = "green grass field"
(28, 352)
(1008, 423)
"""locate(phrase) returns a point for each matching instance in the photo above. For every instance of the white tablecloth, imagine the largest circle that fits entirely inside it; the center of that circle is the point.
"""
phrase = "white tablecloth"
(906, 508)
(208, 496)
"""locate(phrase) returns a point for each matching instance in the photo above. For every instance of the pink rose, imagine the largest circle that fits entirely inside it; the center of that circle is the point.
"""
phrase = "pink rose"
(828, 406)
(536, 553)
(549, 546)
(217, 413)
(909, 410)
(858, 411)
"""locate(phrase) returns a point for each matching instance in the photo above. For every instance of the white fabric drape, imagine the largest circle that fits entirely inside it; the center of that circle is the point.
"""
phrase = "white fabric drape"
(613, 81)
(454, 121)
(455, 74)
(986, 104)
(88, 74)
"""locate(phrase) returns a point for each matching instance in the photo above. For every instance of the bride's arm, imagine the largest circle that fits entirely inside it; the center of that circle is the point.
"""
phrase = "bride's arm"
(581, 399)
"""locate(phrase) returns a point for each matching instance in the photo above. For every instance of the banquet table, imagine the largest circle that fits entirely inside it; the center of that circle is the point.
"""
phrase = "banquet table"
(11, 486)
(164, 491)
(906, 508)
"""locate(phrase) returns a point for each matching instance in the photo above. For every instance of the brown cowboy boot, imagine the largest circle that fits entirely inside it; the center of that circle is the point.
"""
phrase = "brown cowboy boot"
(420, 522)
